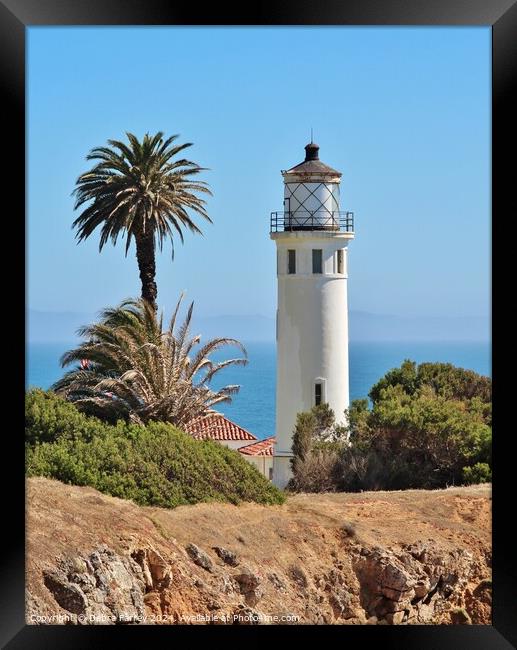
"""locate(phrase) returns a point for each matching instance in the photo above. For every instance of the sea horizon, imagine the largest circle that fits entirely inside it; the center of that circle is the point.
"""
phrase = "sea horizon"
(254, 406)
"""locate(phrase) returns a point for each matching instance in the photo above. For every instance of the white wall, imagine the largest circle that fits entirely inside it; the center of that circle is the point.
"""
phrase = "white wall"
(312, 334)
(262, 463)
(236, 444)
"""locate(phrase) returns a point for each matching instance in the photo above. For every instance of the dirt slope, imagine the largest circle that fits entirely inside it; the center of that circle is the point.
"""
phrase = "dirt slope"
(381, 557)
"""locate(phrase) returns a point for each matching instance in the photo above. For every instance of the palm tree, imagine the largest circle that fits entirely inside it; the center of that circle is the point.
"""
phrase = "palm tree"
(131, 368)
(140, 191)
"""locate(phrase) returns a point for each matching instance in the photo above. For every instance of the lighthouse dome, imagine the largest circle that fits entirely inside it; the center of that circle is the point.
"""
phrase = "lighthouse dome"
(312, 165)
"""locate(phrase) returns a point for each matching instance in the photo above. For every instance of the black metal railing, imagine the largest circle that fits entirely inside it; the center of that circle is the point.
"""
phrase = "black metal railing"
(305, 220)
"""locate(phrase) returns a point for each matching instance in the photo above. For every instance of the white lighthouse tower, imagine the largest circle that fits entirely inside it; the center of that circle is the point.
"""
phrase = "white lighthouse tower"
(311, 236)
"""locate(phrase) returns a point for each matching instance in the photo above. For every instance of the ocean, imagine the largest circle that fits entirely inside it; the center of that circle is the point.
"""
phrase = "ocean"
(254, 405)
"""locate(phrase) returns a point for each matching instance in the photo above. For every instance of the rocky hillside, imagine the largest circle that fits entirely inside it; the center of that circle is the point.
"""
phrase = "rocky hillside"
(376, 558)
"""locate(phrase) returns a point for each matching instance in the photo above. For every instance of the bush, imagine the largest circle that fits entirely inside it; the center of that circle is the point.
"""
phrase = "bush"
(317, 444)
(432, 437)
(478, 473)
(316, 472)
(429, 427)
(155, 464)
(428, 423)
(443, 378)
(48, 419)
(368, 469)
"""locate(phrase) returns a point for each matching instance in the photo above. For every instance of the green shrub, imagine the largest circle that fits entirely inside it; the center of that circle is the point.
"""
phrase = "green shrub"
(478, 473)
(155, 464)
(444, 379)
(48, 419)
(317, 445)
(429, 426)
(435, 435)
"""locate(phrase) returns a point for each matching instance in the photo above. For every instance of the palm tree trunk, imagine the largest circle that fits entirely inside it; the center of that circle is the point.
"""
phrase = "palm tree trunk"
(147, 266)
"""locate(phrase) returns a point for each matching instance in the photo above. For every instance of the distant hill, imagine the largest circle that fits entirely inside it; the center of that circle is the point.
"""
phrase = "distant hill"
(245, 328)
(53, 327)
(57, 327)
(365, 326)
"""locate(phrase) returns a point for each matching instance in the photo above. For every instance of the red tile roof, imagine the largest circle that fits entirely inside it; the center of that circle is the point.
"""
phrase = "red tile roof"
(260, 448)
(215, 426)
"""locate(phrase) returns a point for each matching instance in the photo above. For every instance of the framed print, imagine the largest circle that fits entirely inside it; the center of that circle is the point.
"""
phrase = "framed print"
(257, 281)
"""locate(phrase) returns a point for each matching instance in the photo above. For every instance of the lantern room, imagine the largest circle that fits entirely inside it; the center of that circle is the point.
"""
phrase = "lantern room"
(311, 197)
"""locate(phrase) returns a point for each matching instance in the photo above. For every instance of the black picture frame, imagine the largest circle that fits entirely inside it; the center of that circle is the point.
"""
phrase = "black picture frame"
(501, 15)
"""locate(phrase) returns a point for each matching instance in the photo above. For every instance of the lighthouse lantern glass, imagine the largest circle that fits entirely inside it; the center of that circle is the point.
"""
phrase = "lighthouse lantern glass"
(312, 204)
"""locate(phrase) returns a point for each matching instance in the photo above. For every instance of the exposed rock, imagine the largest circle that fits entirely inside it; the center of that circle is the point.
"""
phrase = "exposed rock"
(160, 570)
(396, 617)
(400, 568)
(140, 557)
(153, 603)
(478, 601)
(226, 584)
(103, 588)
(399, 586)
(253, 597)
(422, 587)
(460, 617)
(343, 603)
(298, 575)
(249, 584)
(247, 579)
(156, 572)
(278, 583)
(380, 572)
(484, 587)
(68, 595)
(199, 557)
(228, 557)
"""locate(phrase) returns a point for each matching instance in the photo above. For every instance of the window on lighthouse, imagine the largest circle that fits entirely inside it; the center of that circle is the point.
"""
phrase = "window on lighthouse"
(317, 394)
(317, 260)
(340, 261)
(291, 262)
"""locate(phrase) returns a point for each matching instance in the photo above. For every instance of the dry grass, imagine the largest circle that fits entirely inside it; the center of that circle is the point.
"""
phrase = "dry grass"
(306, 532)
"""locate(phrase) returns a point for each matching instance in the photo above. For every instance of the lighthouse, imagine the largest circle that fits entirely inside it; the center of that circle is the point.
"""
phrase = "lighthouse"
(311, 236)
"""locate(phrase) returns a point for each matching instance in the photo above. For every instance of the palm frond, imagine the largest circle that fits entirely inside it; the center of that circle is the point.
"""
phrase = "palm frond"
(139, 371)
(137, 185)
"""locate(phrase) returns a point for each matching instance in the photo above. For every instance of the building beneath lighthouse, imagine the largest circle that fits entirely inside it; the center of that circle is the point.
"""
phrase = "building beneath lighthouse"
(311, 236)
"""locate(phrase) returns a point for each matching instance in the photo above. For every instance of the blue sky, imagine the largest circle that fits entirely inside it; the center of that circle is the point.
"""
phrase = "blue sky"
(404, 113)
